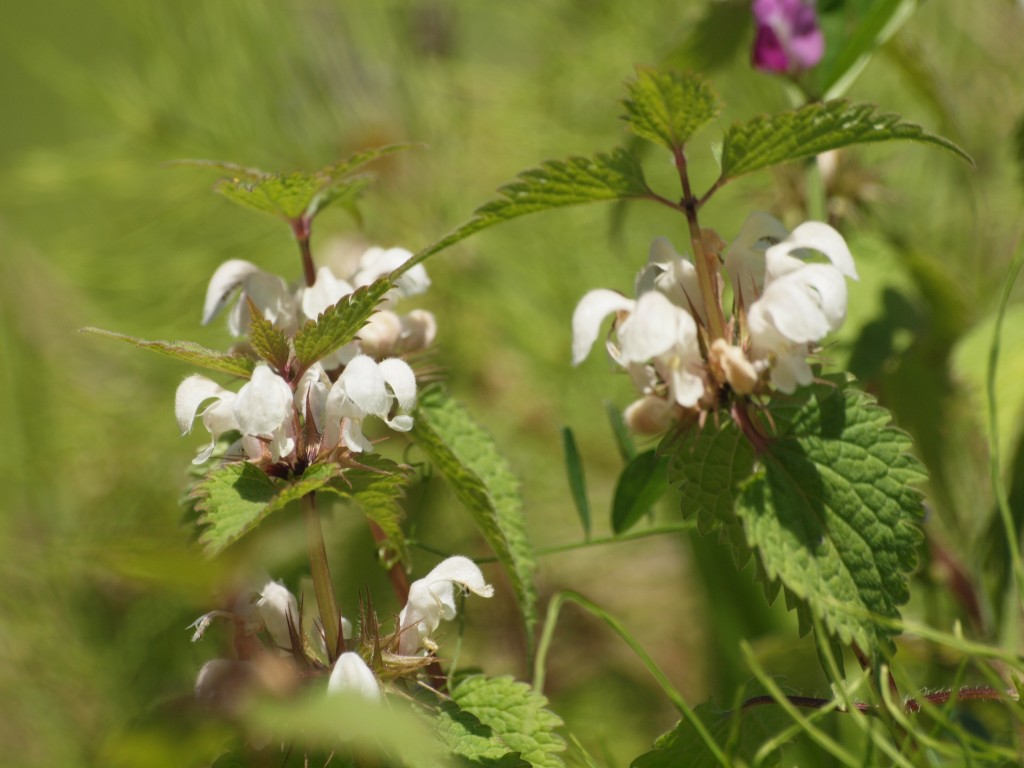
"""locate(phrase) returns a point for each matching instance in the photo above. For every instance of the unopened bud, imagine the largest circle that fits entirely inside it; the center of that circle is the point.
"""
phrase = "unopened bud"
(728, 363)
(650, 415)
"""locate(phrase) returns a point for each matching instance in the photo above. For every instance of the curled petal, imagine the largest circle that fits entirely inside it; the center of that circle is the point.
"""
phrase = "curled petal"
(745, 257)
(226, 279)
(820, 237)
(351, 673)
(593, 308)
(402, 380)
(192, 393)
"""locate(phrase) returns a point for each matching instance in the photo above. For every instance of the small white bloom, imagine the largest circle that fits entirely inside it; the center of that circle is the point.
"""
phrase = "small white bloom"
(368, 388)
(801, 303)
(261, 409)
(744, 259)
(351, 673)
(432, 599)
(268, 292)
(672, 274)
(326, 291)
(377, 262)
(276, 606)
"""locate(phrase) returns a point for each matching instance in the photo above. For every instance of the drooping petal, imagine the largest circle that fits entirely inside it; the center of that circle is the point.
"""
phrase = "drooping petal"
(362, 387)
(191, 393)
(593, 308)
(263, 404)
(803, 305)
(351, 674)
(226, 279)
(402, 381)
(674, 275)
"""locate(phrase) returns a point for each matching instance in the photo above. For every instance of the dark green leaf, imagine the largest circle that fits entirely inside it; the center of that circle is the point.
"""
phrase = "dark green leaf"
(742, 732)
(623, 440)
(669, 107)
(233, 499)
(268, 341)
(378, 489)
(577, 480)
(339, 323)
(481, 479)
(236, 365)
(489, 718)
(640, 485)
(832, 512)
(813, 129)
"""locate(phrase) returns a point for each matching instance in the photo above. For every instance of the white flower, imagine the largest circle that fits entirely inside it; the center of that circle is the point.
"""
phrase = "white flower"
(368, 388)
(277, 607)
(432, 599)
(744, 259)
(801, 302)
(651, 330)
(261, 409)
(672, 274)
(268, 292)
(351, 673)
(377, 262)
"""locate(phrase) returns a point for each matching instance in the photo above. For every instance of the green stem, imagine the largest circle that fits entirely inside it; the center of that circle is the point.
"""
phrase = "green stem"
(322, 578)
(705, 272)
(674, 696)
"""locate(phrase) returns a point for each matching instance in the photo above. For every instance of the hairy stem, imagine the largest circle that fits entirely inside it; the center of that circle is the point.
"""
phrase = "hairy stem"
(321, 573)
(302, 230)
(701, 259)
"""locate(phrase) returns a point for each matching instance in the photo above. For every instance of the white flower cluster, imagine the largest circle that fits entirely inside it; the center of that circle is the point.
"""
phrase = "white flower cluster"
(784, 303)
(271, 612)
(269, 409)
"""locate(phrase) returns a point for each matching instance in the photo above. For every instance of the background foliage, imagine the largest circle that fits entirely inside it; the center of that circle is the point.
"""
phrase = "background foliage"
(101, 581)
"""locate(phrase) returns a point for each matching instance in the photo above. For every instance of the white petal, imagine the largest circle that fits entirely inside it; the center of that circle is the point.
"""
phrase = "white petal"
(593, 308)
(228, 276)
(274, 606)
(650, 415)
(264, 404)
(803, 305)
(326, 291)
(462, 571)
(311, 393)
(790, 371)
(822, 238)
(652, 329)
(419, 329)
(353, 437)
(192, 392)
(744, 259)
(363, 384)
(432, 598)
(402, 380)
(350, 673)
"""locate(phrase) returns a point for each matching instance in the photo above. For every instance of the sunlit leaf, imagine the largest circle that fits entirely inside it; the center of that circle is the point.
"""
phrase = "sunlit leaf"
(189, 352)
(815, 128)
(337, 325)
(669, 107)
(266, 339)
(234, 499)
(482, 480)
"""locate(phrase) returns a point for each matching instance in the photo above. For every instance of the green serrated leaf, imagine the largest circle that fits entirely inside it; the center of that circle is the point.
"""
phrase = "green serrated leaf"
(236, 365)
(232, 500)
(268, 341)
(813, 129)
(639, 487)
(707, 463)
(298, 195)
(743, 731)
(832, 512)
(577, 480)
(489, 718)
(669, 107)
(378, 490)
(481, 479)
(337, 325)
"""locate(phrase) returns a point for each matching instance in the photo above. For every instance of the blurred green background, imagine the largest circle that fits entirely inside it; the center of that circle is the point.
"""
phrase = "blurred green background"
(99, 579)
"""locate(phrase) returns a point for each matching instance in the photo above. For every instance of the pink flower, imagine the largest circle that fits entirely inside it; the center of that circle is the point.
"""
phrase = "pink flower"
(788, 37)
